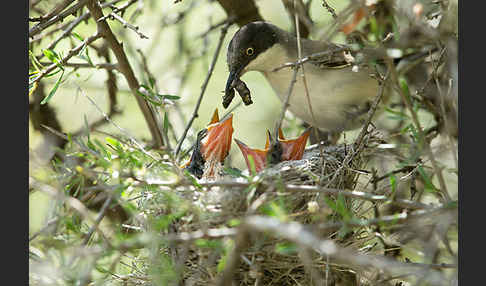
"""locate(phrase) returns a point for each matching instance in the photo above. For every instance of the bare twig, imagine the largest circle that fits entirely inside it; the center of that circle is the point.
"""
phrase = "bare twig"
(156, 108)
(126, 24)
(363, 132)
(422, 140)
(330, 9)
(72, 202)
(308, 188)
(69, 27)
(306, 89)
(57, 9)
(296, 232)
(310, 58)
(105, 116)
(215, 26)
(126, 70)
(224, 30)
(59, 17)
(241, 242)
(286, 100)
(106, 66)
(43, 229)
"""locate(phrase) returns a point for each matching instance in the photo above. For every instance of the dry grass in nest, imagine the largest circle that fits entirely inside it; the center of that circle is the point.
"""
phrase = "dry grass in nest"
(267, 259)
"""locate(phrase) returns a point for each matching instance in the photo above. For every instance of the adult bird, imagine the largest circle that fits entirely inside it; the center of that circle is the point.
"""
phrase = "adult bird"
(339, 94)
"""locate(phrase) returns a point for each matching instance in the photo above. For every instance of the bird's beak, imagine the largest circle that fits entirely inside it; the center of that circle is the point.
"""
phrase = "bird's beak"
(259, 156)
(229, 83)
(216, 144)
(292, 149)
(229, 91)
(212, 147)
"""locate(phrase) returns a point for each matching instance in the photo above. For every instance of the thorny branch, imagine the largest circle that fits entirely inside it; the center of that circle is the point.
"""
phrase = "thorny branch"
(56, 18)
(126, 70)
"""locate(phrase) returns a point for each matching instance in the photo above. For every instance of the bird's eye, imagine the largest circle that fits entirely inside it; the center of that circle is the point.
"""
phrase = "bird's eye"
(250, 51)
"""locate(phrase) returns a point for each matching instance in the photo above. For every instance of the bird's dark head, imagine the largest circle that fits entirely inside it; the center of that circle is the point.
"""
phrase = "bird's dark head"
(248, 43)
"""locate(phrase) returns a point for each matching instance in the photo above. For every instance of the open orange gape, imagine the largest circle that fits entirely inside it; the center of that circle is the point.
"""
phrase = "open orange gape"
(214, 142)
(212, 147)
(280, 150)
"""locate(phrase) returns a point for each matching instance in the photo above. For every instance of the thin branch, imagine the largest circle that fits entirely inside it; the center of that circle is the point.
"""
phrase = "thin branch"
(101, 215)
(54, 11)
(298, 233)
(224, 30)
(69, 27)
(48, 224)
(156, 108)
(72, 202)
(125, 24)
(310, 58)
(287, 97)
(309, 188)
(364, 130)
(215, 26)
(126, 70)
(106, 66)
(105, 116)
(59, 17)
(423, 142)
(64, 60)
(330, 9)
(306, 89)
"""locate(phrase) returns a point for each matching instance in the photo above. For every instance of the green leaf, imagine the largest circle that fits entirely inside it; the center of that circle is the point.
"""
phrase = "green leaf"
(286, 248)
(53, 90)
(148, 98)
(53, 57)
(342, 209)
(397, 114)
(234, 222)
(330, 203)
(276, 209)
(37, 65)
(429, 187)
(251, 162)
(166, 123)
(168, 96)
(152, 82)
(393, 182)
(77, 36)
(233, 172)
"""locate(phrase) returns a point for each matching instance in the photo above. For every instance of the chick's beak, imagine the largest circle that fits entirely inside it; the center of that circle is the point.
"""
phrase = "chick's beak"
(216, 144)
(259, 156)
(293, 149)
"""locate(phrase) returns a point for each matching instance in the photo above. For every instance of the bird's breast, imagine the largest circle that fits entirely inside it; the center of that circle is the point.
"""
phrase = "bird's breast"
(339, 97)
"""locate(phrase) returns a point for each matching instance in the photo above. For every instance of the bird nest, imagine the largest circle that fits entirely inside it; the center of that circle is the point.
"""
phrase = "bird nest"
(267, 260)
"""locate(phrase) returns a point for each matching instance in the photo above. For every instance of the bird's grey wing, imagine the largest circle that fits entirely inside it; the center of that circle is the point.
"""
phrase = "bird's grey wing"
(328, 55)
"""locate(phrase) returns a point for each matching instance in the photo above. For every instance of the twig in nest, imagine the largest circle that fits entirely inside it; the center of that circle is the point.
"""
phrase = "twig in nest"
(364, 130)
